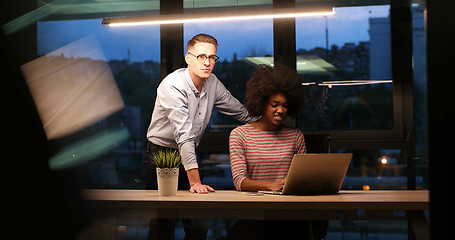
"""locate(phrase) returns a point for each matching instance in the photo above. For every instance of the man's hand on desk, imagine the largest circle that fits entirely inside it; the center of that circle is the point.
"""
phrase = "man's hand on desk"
(200, 188)
(195, 182)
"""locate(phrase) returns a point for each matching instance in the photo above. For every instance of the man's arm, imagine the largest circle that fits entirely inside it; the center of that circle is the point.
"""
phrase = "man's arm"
(227, 104)
(188, 154)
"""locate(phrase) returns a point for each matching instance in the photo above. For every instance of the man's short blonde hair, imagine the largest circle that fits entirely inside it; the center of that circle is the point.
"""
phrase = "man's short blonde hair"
(201, 38)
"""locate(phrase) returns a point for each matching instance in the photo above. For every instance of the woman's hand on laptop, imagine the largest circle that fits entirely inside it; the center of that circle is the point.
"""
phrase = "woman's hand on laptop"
(276, 185)
(256, 185)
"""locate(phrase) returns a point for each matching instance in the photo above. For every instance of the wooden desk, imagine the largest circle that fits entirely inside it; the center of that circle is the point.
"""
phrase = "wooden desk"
(352, 205)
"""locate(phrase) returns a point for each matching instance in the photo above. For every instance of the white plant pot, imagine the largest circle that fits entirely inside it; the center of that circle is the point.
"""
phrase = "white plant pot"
(168, 179)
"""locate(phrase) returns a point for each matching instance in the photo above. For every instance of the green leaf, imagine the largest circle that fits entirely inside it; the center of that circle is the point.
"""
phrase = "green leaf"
(167, 159)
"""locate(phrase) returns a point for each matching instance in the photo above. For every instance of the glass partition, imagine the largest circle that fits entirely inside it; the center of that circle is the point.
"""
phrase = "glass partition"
(420, 92)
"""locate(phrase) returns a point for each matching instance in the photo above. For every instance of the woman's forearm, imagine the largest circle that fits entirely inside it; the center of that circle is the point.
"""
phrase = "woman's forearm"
(255, 185)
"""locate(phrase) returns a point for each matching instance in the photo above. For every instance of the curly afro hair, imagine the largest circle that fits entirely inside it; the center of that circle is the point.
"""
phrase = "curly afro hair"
(268, 81)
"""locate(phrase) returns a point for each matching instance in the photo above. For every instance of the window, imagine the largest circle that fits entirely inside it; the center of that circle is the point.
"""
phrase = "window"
(378, 169)
(345, 63)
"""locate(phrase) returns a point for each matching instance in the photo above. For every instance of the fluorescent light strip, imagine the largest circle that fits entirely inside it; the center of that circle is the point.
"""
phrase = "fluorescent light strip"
(219, 16)
(354, 82)
(347, 83)
(308, 83)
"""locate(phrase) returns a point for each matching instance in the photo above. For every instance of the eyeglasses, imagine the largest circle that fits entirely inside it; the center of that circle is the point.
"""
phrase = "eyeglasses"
(202, 57)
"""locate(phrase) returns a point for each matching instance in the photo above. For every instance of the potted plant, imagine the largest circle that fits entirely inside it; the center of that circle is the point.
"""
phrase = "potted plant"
(167, 171)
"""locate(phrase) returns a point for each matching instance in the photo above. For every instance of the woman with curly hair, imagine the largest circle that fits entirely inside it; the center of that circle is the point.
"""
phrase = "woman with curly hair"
(261, 152)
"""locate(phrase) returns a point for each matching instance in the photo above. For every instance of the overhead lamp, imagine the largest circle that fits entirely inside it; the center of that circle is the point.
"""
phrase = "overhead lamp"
(247, 14)
(337, 83)
(353, 82)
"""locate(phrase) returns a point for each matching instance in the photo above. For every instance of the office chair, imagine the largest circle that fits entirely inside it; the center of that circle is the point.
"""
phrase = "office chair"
(317, 143)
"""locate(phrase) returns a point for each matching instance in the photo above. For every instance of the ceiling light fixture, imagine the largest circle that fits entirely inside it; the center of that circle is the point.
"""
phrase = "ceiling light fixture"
(331, 84)
(220, 16)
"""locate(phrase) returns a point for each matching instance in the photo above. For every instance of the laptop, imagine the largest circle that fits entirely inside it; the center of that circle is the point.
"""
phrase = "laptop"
(315, 174)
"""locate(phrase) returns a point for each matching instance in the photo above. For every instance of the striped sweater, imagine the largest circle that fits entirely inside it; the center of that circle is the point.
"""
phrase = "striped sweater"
(263, 155)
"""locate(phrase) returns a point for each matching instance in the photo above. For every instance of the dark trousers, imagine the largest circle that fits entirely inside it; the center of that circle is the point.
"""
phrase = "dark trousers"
(164, 228)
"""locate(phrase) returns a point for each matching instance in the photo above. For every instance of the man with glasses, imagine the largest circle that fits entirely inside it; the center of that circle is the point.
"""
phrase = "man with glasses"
(183, 106)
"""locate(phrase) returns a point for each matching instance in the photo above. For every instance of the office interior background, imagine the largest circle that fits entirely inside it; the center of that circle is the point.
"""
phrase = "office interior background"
(376, 76)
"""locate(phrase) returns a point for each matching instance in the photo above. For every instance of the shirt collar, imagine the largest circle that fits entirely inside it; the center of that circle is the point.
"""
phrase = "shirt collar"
(193, 88)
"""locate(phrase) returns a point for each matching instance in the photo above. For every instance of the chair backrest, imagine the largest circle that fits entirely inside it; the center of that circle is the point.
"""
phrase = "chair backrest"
(314, 143)
(317, 143)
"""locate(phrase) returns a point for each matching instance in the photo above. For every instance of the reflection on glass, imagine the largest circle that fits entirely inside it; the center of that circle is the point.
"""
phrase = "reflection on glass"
(72, 87)
(347, 107)
(112, 143)
(377, 169)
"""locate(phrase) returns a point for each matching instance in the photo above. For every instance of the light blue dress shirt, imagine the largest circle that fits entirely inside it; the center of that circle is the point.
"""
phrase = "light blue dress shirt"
(182, 113)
